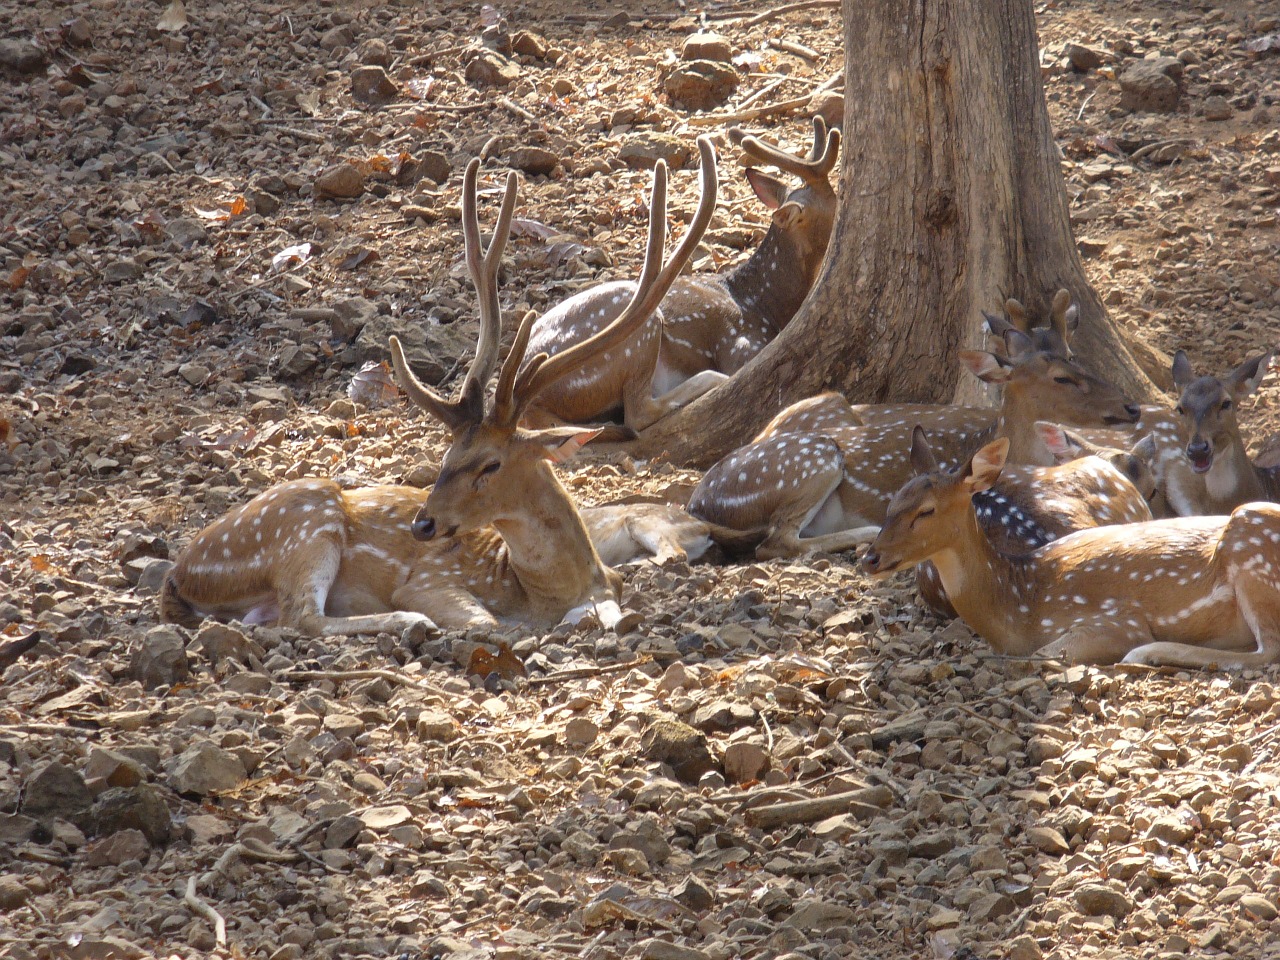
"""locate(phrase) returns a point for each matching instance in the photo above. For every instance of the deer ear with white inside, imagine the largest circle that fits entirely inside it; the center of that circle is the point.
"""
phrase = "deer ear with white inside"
(562, 443)
(771, 191)
(985, 467)
(987, 367)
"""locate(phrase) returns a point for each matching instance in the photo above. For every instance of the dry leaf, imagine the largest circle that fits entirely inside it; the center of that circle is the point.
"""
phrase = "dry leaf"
(505, 664)
(373, 385)
(295, 255)
(18, 278)
(174, 17)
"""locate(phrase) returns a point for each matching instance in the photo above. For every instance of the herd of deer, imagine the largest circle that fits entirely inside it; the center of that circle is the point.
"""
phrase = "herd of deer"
(1032, 522)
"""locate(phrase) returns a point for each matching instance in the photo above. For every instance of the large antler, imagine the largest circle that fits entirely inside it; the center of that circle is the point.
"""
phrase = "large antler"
(813, 169)
(515, 393)
(483, 266)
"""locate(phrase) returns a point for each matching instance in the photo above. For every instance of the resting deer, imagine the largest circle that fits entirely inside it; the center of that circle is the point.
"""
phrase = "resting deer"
(498, 536)
(375, 524)
(709, 326)
(1090, 486)
(831, 409)
(1199, 457)
(827, 489)
(1189, 592)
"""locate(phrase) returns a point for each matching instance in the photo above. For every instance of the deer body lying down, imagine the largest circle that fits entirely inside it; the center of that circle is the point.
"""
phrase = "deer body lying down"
(267, 561)
(707, 326)
(1193, 592)
(820, 484)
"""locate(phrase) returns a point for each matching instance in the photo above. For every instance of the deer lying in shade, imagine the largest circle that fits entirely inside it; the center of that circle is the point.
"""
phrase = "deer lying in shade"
(498, 535)
(381, 558)
(708, 326)
(821, 485)
(1189, 592)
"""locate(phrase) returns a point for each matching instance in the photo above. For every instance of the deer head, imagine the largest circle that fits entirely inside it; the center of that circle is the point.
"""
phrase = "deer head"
(1134, 464)
(495, 470)
(1206, 407)
(1054, 337)
(926, 515)
(803, 216)
(1045, 385)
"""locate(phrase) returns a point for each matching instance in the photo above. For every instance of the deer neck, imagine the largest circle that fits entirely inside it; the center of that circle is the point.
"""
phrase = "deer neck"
(1024, 443)
(1233, 478)
(774, 280)
(994, 593)
(551, 552)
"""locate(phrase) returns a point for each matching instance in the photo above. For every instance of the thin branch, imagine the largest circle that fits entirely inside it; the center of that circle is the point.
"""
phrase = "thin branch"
(712, 119)
(203, 909)
(782, 11)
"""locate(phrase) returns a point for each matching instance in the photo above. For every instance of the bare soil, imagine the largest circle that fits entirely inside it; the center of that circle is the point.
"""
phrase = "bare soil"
(156, 369)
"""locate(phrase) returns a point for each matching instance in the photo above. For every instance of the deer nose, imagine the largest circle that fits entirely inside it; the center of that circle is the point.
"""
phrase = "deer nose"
(424, 528)
(1133, 410)
(1198, 448)
(871, 560)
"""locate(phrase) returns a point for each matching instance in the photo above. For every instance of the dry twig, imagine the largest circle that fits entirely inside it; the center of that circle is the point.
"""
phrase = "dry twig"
(203, 909)
(782, 11)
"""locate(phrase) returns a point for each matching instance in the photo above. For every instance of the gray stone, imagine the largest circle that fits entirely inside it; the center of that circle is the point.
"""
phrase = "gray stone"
(117, 849)
(341, 181)
(678, 745)
(161, 658)
(371, 85)
(115, 769)
(491, 69)
(535, 161)
(140, 808)
(56, 792)
(19, 57)
(1153, 85)
(429, 348)
(204, 769)
(12, 894)
(1084, 58)
(702, 84)
(1217, 108)
(186, 232)
(646, 148)
(707, 46)
(1097, 899)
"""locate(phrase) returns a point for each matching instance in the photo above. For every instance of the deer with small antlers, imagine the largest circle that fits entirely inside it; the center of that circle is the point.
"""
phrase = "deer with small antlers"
(827, 487)
(1198, 455)
(1189, 592)
(497, 536)
(709, 326)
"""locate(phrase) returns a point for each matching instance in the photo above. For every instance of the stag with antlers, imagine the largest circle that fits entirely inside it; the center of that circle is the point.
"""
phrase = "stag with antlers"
(708, 326)
(497, 537)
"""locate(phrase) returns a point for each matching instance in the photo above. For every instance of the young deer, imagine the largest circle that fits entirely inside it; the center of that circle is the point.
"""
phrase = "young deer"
(1194, 592)
(1200, 461)
(709, 326)
(1090, 486)
(827, 488)
(498, 536)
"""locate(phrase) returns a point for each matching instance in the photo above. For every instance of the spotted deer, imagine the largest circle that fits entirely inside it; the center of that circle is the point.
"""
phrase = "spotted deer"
(827, 487)
(1199, 456)
(708, 326)
(497, 537)
(382, 562)
(1089, 486)
(1188, 592)
(829, 409)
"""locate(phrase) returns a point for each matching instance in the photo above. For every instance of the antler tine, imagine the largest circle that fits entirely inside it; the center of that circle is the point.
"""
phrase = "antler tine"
(453, 414)
(505, 411)
(655, 280)
(814, 168)
(819, 136)
(483, 266)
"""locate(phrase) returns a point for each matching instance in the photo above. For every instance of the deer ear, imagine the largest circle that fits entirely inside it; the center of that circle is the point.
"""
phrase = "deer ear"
(922, 458)
(1246, 378)
(984, 468)
(561, 443)
(1062, 443)
(1182, 372)
(987, 367)
(787, 214)
(771, 191)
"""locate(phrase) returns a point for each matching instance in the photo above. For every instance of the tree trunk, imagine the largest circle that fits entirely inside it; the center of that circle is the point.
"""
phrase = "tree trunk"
(951, 200)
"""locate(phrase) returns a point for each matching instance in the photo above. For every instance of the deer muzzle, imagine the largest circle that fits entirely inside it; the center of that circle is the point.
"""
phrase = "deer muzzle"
(424, 528)
(1200, 455)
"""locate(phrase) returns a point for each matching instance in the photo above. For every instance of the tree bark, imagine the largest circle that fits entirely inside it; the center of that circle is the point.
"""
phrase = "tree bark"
(951, 200)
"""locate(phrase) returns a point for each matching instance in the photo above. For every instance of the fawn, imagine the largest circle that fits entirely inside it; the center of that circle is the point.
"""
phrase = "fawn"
(1190, 592)
(1199, 457)
(498, 535)
(709, 326)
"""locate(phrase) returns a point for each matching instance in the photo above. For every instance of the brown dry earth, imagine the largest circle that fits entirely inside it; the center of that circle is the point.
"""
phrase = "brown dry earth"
(365, 798)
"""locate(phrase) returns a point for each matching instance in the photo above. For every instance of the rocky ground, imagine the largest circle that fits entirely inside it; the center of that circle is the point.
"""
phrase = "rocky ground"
(213, 219)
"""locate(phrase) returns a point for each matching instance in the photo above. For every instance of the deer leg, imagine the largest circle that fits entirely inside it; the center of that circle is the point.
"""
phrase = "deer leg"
(305, 581)
(668, 540)
(1097, 641)
(451, 607)
(819, 510)
(1259, 608)
(932, 593)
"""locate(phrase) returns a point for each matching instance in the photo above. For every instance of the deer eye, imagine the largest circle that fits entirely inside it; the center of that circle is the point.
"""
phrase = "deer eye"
(1226, 404)
(920, 515)
(1065, 381)
(1179, 411)
(491, 467)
